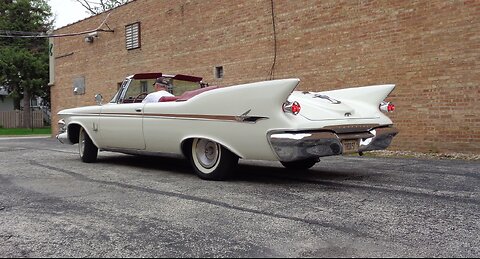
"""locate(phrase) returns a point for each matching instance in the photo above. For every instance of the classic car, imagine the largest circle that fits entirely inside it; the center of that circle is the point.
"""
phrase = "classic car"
(215, 126)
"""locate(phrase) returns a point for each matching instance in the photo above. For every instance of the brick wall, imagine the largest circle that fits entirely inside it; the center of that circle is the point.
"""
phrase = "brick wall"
(429, 49)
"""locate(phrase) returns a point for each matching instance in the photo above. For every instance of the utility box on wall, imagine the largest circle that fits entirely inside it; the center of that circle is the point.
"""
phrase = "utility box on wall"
(79, 85)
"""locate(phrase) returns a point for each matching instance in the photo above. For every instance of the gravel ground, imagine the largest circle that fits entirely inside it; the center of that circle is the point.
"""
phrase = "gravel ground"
(420, 155)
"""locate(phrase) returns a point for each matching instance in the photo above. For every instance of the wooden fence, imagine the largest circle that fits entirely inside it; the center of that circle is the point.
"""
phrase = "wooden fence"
(14, 119)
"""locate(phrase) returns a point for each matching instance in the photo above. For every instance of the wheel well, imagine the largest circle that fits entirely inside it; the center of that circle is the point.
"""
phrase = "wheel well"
(73, 132)
(187, 144)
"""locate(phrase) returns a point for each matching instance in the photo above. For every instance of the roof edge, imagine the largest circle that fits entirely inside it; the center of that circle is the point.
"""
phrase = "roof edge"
(104, 12)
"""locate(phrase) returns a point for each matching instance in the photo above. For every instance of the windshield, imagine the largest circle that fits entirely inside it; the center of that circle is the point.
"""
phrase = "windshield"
(120, 89)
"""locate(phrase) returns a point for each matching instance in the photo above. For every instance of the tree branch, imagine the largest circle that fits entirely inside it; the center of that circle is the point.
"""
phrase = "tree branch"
(96, 7)
(87, 6)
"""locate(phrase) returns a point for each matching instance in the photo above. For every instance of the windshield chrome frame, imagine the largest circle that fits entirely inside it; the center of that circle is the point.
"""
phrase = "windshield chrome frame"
(121, 92)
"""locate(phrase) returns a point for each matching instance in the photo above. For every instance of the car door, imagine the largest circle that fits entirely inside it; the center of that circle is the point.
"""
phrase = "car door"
(120, 124)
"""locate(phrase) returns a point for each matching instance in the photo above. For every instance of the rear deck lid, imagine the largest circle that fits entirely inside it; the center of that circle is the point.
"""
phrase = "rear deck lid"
(349, 103)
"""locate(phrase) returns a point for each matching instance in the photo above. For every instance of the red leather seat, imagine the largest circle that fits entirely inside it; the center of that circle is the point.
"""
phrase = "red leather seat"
(189, 94)
(168, 98)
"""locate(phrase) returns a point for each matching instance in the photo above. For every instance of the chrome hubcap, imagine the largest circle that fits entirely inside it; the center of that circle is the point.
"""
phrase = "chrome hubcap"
(207, 153)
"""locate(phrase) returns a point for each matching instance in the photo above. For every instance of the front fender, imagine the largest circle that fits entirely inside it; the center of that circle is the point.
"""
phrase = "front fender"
(81, 117)
(73, 131)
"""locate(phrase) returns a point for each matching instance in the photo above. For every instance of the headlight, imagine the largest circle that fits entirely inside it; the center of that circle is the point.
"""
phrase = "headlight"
(62, 126)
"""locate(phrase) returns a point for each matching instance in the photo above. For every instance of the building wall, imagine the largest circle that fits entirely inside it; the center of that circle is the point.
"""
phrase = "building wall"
(429, 49)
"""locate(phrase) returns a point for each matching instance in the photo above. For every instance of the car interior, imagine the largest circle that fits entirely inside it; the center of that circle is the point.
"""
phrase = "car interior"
(183, 90)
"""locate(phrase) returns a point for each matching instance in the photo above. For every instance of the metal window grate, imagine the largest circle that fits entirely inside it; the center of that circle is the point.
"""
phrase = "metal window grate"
(132, 36)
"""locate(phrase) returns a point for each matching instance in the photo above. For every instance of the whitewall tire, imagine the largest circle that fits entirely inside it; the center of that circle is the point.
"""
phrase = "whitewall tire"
(88, 151)
(212, 161)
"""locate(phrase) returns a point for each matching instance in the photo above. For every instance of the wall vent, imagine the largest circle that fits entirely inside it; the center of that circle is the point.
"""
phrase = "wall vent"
(219, 72)
(132, 36)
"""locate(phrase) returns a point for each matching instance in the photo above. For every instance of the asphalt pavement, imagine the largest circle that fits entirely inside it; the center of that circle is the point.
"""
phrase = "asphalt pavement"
(53, 205)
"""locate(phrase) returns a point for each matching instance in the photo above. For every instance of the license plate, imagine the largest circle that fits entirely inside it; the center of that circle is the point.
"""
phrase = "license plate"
(350, 145)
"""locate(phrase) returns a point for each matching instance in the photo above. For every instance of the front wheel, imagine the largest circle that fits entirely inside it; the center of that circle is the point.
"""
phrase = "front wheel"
(88, 151)
(211, 161)
(303, 164)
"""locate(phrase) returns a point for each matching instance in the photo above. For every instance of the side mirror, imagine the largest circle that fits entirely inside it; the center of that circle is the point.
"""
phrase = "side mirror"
(98, 99)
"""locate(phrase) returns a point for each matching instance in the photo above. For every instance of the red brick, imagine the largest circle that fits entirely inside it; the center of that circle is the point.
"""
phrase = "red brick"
(429, 49)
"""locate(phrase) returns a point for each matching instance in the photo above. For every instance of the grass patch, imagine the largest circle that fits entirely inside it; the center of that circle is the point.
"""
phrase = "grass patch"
(21, 131)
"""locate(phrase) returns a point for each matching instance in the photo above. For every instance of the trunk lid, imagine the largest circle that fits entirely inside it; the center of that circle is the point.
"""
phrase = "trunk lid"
(350, 103)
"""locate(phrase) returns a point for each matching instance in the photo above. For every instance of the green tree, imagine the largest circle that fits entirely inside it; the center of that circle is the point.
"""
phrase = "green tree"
(99, 6)
(24, 61)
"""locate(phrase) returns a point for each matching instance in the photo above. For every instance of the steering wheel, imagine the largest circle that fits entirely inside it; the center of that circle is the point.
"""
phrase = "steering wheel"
(140, 97)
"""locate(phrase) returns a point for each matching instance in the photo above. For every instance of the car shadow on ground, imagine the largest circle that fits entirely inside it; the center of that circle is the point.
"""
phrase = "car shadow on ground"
(254, 172)
(246, 171)
(165, 163)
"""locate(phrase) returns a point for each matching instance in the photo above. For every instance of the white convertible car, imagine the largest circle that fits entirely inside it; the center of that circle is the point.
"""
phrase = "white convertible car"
(215, 126)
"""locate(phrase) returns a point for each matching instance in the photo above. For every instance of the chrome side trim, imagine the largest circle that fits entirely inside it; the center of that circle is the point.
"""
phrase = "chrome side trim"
(251, 119)
(142, 152)
(80, 114)
(241, 118)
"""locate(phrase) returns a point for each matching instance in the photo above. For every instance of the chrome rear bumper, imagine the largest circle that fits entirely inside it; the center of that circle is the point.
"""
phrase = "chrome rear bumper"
(303, 145)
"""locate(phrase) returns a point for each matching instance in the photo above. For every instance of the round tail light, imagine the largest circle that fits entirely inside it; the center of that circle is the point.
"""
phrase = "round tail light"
(292, 107)
(387, 107)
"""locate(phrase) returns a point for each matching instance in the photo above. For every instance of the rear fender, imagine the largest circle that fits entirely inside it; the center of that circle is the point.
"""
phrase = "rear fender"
(374, 94)
(261, 98)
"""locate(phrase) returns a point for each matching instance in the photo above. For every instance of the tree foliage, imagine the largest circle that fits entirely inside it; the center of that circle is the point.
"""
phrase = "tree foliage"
(99, 6)
(24, 61)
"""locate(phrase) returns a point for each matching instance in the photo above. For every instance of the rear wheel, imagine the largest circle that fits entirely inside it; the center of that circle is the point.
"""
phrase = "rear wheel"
(211, 161)
(303, 164)
(88, 151)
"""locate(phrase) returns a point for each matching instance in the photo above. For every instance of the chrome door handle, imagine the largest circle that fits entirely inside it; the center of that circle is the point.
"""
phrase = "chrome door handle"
(138, 109)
